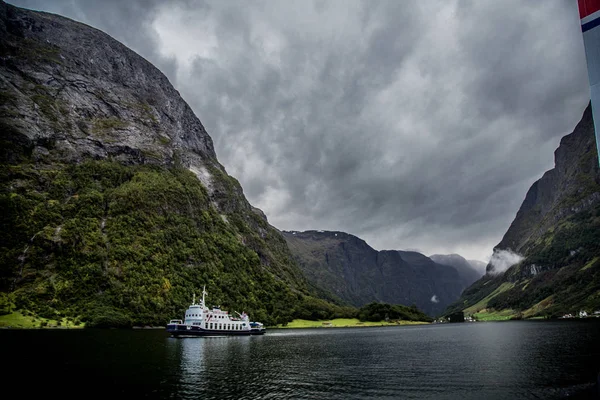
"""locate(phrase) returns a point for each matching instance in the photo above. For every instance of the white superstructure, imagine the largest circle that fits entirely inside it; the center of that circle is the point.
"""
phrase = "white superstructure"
(200, 320)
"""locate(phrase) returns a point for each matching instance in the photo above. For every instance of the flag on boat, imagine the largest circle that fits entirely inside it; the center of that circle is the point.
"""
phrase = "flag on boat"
(589, 14)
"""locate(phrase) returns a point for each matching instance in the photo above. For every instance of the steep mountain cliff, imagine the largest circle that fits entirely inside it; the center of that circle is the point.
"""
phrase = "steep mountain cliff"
(557, 231)
(114, 206)
(358, 274)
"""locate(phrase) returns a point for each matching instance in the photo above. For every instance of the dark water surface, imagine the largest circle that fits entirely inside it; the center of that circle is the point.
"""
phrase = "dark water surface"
(486, 360)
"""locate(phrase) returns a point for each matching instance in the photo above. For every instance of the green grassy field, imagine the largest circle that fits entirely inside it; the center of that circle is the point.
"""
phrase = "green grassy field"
(344, 323)
(494, 316)
(18, 320)
(482, 304)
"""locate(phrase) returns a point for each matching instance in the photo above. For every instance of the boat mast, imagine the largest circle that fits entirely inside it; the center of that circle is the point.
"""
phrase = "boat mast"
(203, 294)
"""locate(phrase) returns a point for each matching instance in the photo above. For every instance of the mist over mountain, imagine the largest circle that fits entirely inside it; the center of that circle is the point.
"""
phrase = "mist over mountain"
(115, 207)
(548, 262)
(478, 265)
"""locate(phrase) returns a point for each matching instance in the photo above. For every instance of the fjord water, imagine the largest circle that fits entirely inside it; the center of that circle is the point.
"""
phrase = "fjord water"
(485, 360)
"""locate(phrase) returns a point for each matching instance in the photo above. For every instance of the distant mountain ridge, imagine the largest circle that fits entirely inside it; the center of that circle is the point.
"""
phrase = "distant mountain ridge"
(465, 268)
(557, 232)
(479, 266)
(358, 274)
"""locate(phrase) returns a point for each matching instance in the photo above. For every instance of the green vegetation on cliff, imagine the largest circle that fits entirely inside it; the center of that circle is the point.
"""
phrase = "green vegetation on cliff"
(116, 245)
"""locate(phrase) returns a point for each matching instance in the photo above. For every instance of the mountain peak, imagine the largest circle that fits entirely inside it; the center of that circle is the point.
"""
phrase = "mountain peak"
(92, 96)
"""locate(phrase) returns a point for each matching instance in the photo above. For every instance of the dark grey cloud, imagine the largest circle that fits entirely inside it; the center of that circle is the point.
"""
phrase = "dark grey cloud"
(410, 124)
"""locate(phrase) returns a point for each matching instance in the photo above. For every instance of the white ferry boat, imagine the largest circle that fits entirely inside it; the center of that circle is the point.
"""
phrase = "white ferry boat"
(201, 321)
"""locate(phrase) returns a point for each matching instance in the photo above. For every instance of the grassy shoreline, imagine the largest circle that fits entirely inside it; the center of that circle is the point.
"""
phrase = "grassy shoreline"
(344, 323)
(16, 320)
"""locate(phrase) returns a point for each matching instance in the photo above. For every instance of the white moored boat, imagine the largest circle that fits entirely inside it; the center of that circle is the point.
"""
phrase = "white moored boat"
(202, 321)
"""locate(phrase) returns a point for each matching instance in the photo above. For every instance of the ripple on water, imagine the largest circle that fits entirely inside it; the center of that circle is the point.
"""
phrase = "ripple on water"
(521, 359)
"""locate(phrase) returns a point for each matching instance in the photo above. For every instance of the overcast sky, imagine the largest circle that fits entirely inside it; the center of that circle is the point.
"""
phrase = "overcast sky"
(411, 124)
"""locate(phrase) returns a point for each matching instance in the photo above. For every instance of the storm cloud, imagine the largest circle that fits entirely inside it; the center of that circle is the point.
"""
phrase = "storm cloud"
(411, 124)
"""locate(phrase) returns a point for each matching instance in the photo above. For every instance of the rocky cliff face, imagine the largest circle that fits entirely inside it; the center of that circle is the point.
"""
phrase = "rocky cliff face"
(557, 231)
(72, 92)
(114, 203)
(569, 188)
(358, 274)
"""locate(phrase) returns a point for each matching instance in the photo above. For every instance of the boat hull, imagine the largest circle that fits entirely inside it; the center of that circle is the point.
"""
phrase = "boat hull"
(190, 330)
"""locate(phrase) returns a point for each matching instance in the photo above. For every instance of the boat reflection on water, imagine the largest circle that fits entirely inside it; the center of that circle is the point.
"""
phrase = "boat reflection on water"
(206, 366)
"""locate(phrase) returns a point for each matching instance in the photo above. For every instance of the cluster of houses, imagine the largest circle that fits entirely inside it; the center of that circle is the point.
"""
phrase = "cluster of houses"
(582, 314)
(455, 317)
(460, 317)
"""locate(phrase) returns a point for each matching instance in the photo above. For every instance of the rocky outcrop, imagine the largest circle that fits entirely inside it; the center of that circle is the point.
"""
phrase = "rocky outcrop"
(78, 89)
(358, 274)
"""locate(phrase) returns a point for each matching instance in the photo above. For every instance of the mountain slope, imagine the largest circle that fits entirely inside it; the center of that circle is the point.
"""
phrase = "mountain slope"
(478, 266)
(115, 207)
(557, 231)
(358, 274)
(466, 271)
